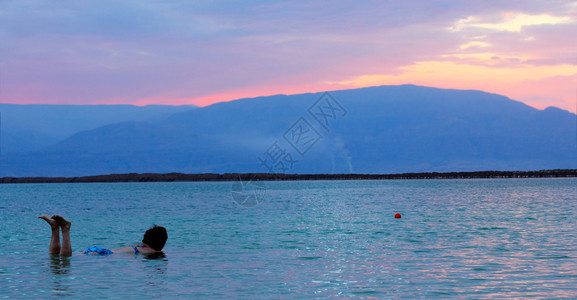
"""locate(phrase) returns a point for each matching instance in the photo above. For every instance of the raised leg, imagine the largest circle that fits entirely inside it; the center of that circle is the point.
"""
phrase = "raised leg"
(54, 247)
(65, 228)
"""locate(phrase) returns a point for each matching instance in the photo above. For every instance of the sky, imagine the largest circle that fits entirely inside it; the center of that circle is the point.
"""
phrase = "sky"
(201, 52)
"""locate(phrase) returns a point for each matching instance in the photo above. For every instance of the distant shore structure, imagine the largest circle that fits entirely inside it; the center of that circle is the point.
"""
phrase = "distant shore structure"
(180, 177)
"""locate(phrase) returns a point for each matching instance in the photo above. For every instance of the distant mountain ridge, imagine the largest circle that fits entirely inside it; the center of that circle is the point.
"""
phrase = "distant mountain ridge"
(34, 126)
(387, 129)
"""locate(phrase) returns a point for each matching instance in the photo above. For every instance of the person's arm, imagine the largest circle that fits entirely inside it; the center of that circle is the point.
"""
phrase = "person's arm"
(136, 249)
(125, 249)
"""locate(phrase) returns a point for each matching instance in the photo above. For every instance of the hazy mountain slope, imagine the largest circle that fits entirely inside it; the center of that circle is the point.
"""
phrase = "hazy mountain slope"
(386, 129)
(32, 127)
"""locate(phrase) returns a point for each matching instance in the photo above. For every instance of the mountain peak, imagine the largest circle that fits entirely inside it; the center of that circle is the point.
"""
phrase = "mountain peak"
(385, 129)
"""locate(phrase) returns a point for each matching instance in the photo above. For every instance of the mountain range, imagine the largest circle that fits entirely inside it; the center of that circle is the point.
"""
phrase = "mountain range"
(385, 129)
(32, 127)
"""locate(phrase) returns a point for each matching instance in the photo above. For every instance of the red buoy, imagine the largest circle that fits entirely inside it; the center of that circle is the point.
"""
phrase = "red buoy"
(397, 216)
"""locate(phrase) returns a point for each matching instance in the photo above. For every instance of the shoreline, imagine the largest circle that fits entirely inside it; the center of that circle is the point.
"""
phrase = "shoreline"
(205, 177)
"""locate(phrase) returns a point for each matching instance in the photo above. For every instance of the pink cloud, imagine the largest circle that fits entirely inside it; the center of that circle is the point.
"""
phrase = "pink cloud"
(191, 52)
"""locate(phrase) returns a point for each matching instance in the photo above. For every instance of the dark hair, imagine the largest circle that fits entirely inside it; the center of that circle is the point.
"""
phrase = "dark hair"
(155, 237)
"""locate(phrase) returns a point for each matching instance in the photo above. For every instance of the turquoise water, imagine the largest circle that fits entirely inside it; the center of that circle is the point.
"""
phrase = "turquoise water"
(312, 239)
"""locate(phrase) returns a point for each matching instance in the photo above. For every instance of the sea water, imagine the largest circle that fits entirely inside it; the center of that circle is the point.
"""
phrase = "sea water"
(487, 238)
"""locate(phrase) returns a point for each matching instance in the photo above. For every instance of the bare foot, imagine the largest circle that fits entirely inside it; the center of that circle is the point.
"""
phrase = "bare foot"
(62, 222)
(48, 218)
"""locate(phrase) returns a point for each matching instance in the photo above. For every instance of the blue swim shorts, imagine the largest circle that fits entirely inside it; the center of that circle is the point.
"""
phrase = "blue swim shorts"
(99, 250)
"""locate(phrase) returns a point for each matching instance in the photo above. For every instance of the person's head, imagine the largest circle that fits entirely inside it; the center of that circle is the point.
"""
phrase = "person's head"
(155, 237)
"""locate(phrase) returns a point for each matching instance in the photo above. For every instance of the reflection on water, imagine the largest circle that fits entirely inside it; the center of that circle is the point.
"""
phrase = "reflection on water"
(457, 238)
(59, 264)
(103, 276)
(156, 269)
(60, 268)
(152, 256)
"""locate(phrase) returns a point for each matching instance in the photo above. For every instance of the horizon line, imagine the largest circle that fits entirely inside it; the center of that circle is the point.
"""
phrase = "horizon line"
(281, 94)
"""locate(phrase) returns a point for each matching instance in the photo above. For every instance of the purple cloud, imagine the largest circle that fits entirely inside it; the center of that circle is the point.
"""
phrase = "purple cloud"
(131, 51)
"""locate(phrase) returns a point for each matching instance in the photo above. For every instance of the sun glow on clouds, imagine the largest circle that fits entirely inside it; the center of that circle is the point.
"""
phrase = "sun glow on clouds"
(439, 72)
(512, 22)
(486, 61)
(520, 83)
(183, 52)
(474, 44)
(489, 58)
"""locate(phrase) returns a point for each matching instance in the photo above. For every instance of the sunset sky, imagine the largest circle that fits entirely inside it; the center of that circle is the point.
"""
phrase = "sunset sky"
(201, 52)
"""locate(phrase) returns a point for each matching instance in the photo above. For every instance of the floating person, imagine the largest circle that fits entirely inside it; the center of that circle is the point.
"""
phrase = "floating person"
(152, 243)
